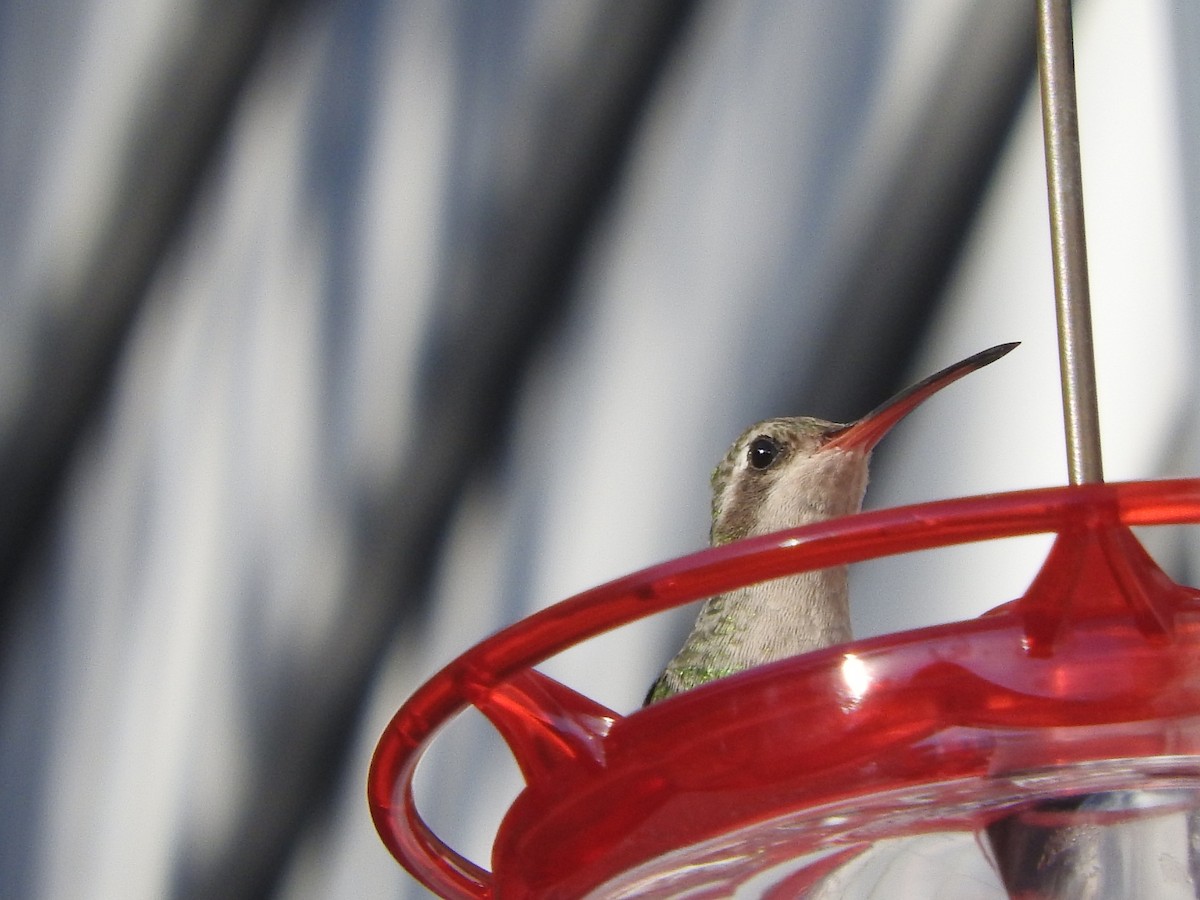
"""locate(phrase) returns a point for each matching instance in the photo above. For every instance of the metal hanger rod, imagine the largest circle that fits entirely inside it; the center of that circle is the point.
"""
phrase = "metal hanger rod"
(1060, 126)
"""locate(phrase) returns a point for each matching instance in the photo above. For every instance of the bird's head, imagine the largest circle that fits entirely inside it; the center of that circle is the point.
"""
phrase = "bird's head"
(785, 472)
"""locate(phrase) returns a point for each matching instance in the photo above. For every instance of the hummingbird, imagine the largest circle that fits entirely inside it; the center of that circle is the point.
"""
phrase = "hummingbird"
(782, 473)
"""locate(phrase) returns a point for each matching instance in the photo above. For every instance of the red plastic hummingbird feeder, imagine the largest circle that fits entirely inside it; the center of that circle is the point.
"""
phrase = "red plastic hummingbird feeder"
(783, 775)
(1059, 734)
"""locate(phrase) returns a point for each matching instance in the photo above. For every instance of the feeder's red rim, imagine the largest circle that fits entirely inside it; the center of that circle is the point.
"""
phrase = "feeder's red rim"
(851, 539)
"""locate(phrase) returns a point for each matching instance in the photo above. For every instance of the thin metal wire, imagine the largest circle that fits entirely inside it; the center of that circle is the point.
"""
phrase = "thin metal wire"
(1060, 126)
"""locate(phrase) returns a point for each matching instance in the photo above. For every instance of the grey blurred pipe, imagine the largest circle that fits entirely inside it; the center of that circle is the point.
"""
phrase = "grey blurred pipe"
(1068, 241)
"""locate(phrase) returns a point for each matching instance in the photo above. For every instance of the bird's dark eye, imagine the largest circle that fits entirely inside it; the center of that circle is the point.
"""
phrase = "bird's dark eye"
(763, 451)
